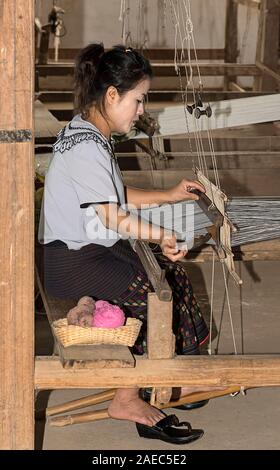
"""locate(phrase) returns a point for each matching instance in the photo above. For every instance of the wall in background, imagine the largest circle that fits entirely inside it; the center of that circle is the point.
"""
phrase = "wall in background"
(98, 20)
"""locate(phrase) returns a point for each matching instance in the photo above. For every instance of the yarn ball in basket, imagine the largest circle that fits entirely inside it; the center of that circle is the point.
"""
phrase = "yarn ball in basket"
(81, 315)
(88, 301)
(107, 315)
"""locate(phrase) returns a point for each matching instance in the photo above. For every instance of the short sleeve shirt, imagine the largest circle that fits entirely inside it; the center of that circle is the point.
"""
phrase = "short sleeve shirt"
(83, 172)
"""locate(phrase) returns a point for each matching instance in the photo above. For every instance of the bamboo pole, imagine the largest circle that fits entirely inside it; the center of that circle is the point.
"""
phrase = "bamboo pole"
(90, 416)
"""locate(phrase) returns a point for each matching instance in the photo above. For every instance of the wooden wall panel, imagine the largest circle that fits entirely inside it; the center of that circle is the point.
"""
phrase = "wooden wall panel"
(268, 44)
(17, 227)
(7, 64)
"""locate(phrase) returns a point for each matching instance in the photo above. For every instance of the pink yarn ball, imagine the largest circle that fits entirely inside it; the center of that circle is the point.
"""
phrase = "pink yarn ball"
(107, 315)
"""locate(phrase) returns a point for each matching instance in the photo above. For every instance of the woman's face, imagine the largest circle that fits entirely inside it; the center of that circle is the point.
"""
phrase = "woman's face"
(123, 111)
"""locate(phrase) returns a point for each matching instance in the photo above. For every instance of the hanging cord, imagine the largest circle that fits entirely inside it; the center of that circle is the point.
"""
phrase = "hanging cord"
(187, 36)
(189, 28)
(188, 33)
(175, 13)
(229, 309)
(185, 33)
(213, 154)
(211, 305)
(178, 13)
(204, 167)
(178, 71)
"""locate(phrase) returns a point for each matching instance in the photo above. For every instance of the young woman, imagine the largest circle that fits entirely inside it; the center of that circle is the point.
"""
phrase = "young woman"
(82, 221)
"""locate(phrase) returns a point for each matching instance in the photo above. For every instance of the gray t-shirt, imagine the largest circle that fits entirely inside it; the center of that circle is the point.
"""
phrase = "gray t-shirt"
(83, 172)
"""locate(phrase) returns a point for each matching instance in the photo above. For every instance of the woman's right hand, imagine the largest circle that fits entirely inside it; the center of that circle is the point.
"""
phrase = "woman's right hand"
(169, 248)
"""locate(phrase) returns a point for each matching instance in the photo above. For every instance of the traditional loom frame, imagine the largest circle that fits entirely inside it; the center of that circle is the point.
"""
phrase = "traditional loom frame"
(19, 378)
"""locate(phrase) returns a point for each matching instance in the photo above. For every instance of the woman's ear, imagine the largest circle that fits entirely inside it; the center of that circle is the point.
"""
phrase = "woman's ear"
(112, 95)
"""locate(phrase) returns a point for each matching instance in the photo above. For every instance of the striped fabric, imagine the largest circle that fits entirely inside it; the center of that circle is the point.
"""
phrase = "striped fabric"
(189, 326)
(116, 274)
(94, 270)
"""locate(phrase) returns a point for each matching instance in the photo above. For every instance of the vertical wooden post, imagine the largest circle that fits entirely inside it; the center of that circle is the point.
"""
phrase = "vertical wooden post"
(160, 339)
(16, 233)
(231, 51)
(267, 43)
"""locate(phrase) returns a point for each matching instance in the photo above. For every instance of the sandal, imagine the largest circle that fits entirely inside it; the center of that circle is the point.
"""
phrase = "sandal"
(192, 406)
(169, 429)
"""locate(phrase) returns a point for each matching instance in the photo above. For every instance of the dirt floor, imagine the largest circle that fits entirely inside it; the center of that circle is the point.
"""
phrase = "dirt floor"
(241, 422)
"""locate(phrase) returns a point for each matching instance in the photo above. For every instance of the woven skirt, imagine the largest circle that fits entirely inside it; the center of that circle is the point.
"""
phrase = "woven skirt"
(116, 274)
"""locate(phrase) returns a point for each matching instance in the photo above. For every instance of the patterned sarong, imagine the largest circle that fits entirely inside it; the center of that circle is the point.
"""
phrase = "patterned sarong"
(189, 326)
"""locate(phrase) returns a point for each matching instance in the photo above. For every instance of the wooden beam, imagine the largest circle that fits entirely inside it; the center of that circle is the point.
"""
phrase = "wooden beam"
(235, 182)
(160, 338)
(249, 3)
(210, 371)
(61, 77)
(162, 69)
(154, 272)
(261, 137)
(60, 99)
(231, 34)
(268, 71)
(184, 160)
(233, 86)
(17, 227)
(268, 43)
(152, 54)
(46, 124)
(260, 251)
(134, 161)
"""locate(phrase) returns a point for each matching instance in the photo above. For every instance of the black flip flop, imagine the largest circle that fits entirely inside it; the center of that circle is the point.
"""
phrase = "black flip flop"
(169, 429)
(192, 406)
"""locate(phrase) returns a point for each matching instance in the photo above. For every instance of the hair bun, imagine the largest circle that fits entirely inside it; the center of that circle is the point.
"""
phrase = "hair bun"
(89, 58)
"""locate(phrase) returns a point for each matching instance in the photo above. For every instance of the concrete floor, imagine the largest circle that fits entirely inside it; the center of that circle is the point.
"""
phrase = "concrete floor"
(243, 422)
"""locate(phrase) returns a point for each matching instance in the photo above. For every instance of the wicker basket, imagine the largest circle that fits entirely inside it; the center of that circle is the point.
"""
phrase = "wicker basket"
(70, 335)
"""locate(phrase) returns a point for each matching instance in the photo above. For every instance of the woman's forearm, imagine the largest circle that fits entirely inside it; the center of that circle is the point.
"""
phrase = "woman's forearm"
(129, 225)
(181, 192)
(138, 197)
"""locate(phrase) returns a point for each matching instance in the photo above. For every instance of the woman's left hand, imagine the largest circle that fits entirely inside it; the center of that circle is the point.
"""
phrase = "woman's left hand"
(182, 191)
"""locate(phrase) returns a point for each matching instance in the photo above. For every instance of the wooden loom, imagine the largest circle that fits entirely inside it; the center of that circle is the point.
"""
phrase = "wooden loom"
(214, 204)
(221, 235)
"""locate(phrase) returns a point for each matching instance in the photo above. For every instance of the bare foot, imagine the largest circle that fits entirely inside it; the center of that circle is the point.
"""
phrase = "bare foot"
(127, 405)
